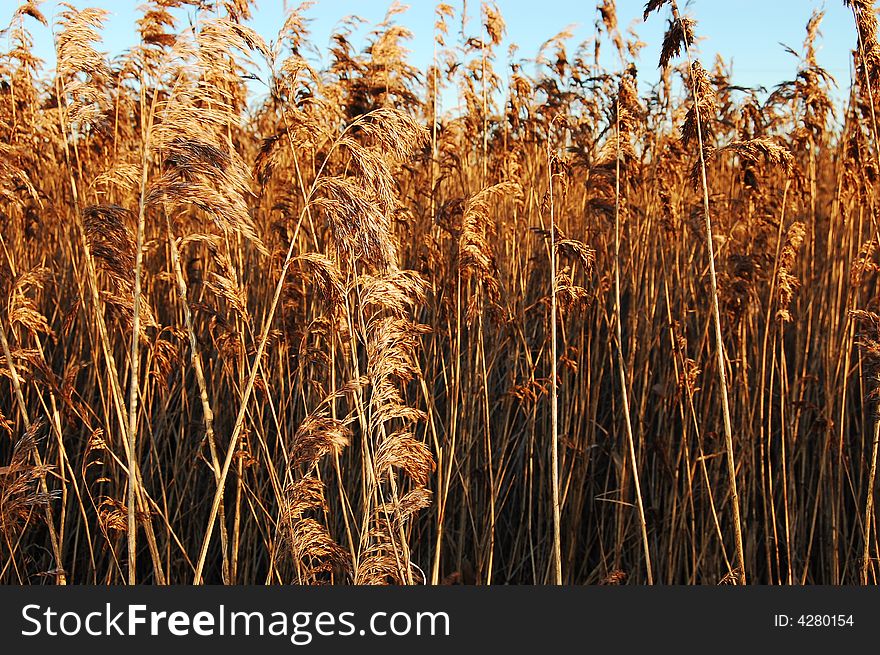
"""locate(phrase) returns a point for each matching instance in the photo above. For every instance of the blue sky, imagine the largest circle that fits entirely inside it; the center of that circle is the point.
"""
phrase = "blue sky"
(746, 32)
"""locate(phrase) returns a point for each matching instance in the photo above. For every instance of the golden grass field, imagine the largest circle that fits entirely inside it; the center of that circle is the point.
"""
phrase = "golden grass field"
(572, 333)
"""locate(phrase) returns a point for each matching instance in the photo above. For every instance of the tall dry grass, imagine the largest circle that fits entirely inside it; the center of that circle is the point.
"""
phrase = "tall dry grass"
(568, 333)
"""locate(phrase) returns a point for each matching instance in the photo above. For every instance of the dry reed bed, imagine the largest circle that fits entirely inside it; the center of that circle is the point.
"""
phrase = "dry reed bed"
(567, 334)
